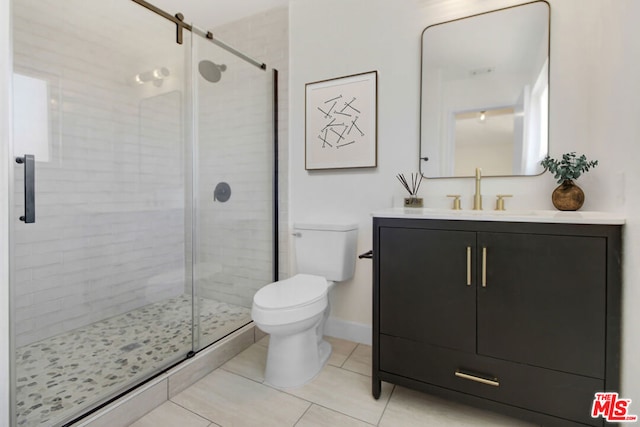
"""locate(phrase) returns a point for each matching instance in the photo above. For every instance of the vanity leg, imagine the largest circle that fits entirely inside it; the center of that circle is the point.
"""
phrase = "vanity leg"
(376, 387)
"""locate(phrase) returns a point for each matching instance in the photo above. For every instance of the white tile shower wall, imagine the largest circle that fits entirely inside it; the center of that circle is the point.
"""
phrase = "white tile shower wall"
(236, 136)
(109, 234)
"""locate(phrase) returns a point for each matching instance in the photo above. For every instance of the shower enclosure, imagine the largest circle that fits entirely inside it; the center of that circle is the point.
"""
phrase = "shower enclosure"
(144, 177)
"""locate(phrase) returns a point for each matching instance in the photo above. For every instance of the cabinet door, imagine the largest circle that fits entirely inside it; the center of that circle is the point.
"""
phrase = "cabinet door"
(544, 303)
(424, 292)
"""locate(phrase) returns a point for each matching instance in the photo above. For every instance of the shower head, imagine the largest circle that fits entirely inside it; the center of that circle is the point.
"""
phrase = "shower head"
(211, 71)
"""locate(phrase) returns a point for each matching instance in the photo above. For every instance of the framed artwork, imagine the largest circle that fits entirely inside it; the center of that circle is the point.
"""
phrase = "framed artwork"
(341, 122)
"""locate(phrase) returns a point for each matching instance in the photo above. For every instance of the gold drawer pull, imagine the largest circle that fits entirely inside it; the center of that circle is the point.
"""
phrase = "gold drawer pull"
(484, 267)
(494, 382)
(468, 265)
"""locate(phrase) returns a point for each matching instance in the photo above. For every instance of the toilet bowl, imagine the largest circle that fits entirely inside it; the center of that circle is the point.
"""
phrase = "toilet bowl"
(294, 311)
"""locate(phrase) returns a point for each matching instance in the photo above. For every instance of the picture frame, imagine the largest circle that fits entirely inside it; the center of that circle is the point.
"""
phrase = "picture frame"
(341, 121)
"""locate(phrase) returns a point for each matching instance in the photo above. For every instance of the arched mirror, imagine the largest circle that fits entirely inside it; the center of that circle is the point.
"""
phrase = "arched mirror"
(485, 94)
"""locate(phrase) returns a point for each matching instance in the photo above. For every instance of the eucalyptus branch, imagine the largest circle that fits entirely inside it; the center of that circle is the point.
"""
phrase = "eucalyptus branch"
(570, 167)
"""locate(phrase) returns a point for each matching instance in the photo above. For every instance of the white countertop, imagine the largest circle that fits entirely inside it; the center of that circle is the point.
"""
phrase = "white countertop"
(546, 216)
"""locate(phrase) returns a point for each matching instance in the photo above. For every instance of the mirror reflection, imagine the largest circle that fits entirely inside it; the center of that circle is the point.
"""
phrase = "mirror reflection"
(484, 93)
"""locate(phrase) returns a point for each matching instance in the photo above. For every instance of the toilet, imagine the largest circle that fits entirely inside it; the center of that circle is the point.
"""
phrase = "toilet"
(293, 311)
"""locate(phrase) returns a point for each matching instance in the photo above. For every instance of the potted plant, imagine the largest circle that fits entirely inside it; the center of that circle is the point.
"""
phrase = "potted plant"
(568, 196)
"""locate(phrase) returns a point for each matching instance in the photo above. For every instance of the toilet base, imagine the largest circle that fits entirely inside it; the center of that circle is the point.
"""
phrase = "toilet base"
(293, 360)
(325, 352)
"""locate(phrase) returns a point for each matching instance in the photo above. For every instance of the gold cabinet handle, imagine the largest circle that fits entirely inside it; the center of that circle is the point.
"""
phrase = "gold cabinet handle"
(484, 267)
(493, 382)
(468, 265)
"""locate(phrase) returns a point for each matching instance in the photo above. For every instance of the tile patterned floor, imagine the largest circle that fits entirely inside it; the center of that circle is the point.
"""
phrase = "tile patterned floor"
(235, 395)
(66, 372)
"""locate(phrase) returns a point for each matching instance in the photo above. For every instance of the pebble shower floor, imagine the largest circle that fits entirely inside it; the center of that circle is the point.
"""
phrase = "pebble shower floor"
(61, 373)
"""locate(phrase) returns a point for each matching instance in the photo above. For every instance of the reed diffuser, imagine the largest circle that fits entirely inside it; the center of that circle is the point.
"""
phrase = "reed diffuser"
(413, 201)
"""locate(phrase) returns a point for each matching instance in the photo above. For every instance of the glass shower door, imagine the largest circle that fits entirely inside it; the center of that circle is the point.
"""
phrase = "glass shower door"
(233, 188)
(100, 295)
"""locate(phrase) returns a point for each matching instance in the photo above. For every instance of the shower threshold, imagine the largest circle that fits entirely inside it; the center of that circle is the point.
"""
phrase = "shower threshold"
(60, 376)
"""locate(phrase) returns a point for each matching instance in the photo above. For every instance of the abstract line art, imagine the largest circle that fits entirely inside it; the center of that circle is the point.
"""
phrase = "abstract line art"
(341, 122)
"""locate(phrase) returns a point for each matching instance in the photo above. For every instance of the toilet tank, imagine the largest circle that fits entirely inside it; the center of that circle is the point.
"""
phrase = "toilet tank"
(327, 250)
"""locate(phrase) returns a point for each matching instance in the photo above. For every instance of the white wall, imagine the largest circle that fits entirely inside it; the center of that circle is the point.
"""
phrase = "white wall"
(595, 62)
(614, 137)
(368, 41)
(5, 120)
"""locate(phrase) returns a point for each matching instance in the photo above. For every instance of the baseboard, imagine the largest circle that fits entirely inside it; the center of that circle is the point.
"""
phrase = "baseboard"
(352, 331)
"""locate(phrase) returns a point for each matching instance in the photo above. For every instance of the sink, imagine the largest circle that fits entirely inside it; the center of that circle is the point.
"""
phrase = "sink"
(548, 216)
(467, 212)
(486, 212)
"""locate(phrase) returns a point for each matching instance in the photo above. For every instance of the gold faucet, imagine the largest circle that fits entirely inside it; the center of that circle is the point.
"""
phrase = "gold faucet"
(477, 198)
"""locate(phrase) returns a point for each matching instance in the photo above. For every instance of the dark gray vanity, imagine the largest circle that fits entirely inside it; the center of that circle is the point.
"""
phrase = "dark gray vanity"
(518, 313)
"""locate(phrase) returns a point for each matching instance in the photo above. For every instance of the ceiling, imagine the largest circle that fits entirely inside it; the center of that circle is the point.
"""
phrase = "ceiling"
(208, 14)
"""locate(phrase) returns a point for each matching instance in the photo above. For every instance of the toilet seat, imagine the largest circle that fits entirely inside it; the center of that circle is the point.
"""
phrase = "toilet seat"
(290, 300)
(296, 291)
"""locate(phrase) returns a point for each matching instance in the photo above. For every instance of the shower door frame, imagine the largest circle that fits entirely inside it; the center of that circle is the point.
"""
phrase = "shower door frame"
(178, 20)
(7, 397)
(194, 156)
(7, 356)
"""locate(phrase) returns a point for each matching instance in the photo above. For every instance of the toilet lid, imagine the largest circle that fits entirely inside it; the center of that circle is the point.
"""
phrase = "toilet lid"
(298, 290)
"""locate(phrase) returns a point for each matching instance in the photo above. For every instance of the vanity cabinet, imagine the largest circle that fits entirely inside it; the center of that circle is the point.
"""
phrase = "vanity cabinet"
(522, 318)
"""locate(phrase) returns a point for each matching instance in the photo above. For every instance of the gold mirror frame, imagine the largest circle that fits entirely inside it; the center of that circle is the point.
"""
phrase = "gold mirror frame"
(467, 86)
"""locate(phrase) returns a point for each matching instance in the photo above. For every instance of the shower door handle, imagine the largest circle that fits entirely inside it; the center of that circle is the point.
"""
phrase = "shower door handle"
(29, 163)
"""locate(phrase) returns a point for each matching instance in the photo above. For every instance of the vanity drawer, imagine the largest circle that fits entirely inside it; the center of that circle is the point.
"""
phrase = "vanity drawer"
(555, 393)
